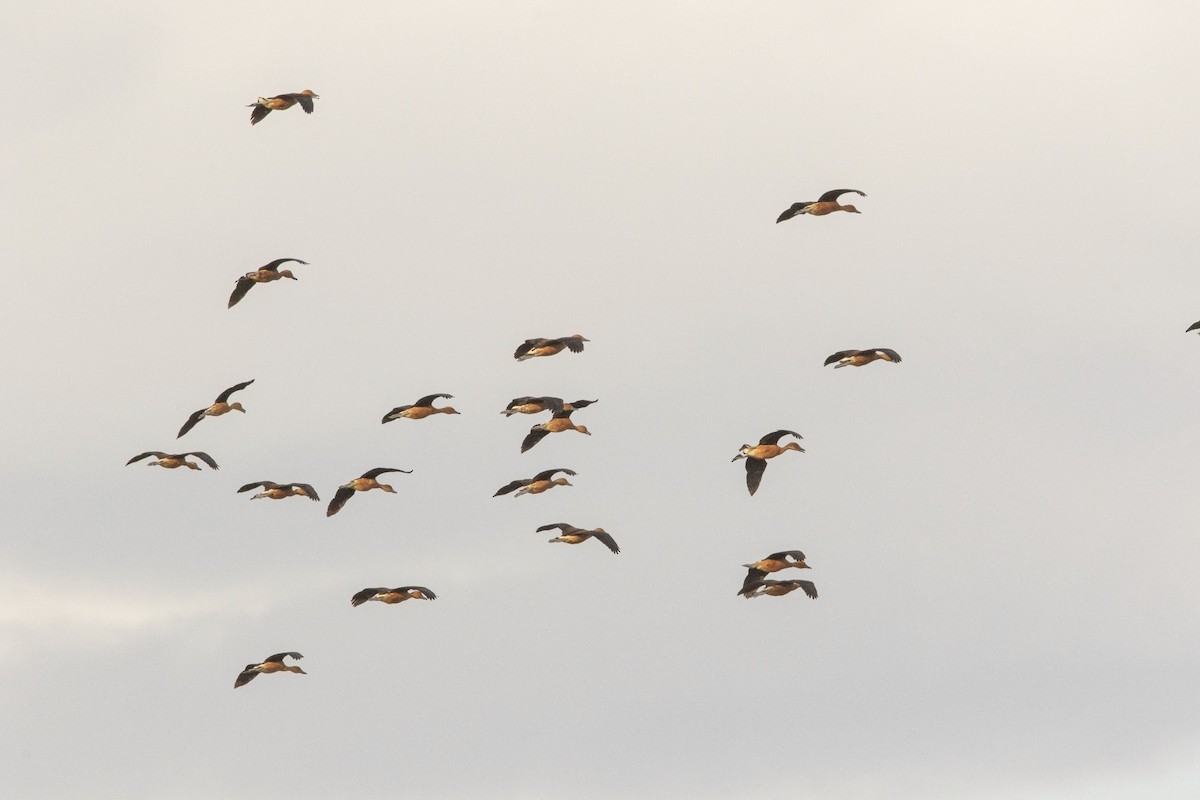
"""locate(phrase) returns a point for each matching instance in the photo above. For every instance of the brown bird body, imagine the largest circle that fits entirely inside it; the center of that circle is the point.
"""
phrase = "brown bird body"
(392, 596)
(266, 666)
(859, 358)
(363, 484)
(778, 561)
(542, 482)
(825, 204)
(561, 421)
(756, 455)
(264, 274)
(281, 102)
(174, 460)
(538, 348)
(536, 405)
(221, 406)
(777, 588)
(421, 409)
(278, 491)
(572, 535)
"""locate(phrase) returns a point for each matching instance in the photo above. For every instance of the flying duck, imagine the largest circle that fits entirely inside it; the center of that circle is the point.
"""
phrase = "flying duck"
(561, 421)
(536, 348)
(756, 455)
(173, 460)
(392, 596)
(825, 204)
(778, 561)
(364, 484)
(264, 274)
(267, 665)
(858, 358)
(572, 535)
(421, 409)
(278, 491)
(281, 102)
(754, 588)
(221, 406)
(542, 482)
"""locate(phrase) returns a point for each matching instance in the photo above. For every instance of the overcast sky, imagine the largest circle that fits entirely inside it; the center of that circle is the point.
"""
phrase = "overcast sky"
(1002, 528)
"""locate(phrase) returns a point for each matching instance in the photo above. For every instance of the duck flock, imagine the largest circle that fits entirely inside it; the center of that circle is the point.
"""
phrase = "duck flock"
(756, 456)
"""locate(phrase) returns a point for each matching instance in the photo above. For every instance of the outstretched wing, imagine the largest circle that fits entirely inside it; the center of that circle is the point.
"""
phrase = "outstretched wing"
(839, 355)
(280, 656)
(428, 595)
(833, 194)
(375, 473)
(754, 473)
(428, 399)
(256, 116)
(562, 527)
(783, 555)
(245, 676)
(792, 210)
(535, 435)
(511, 487)
(548, 474)
(205, 457)
(224, 396)
(774, 436)
(191, 422)
(608, 540)
(263, 484)
(239, 291)
(155, 453)
(308, 490)
(366, 594)
(274, 265)
(528, 345)
(809, 588)
(344, 493)
(394, 413)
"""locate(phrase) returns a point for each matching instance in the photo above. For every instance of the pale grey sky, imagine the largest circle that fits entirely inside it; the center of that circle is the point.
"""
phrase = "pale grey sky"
(1002, 527)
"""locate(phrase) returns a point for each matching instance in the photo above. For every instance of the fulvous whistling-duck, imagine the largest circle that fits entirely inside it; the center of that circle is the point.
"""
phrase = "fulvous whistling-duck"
(280, 102)
(536, 348)
(825, 204)
(858, 358)
(561, 421)
(756, 455)
(754, 588)
(364, 484)
(173, 460)
(536, 405)
(221, 406)
(778, 561)
(269, 664)
(421, 409)
(391, 596)
(264, 274)
(543, 481)
(278, 491)
(572, 535)
(777, 588)
(1195, 326)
